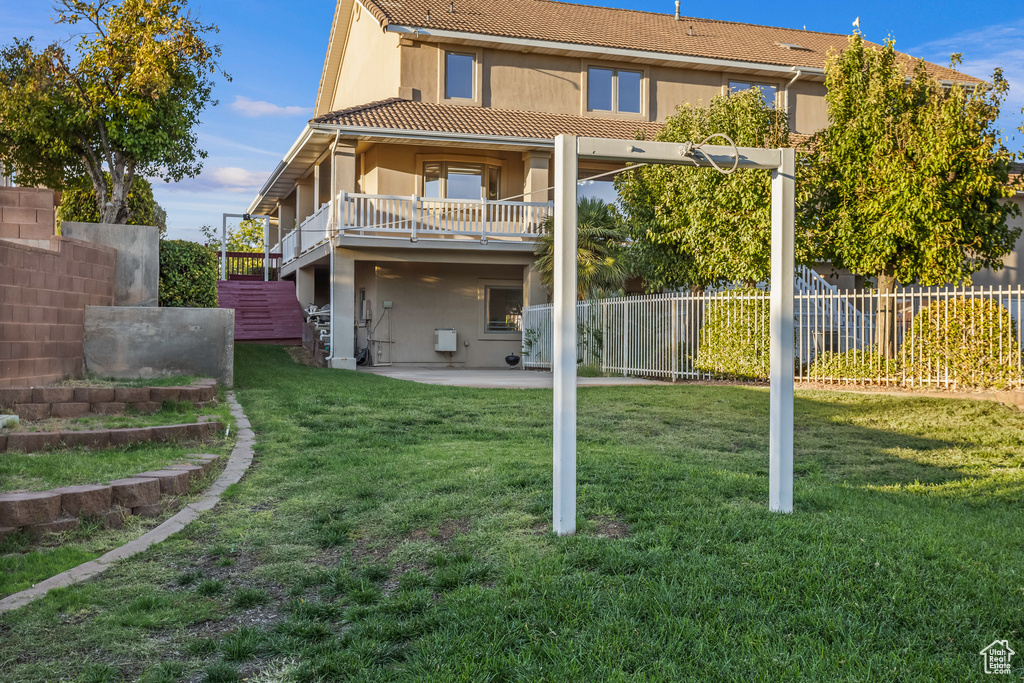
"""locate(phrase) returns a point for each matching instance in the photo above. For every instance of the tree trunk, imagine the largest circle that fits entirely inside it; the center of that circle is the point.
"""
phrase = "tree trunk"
(121, 176)
(885, 330)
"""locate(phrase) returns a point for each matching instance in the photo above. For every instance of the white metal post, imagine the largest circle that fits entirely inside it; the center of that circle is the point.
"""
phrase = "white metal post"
(564, 348)
(266, 248)
(780, 467)
(224, 247)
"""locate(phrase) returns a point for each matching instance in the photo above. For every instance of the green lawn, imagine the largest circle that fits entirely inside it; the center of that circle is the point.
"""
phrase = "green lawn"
(393, 531)
(72, 466)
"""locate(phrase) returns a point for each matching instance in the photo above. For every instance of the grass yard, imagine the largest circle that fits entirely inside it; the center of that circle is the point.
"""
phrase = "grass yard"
(72, 466)
(390, 531)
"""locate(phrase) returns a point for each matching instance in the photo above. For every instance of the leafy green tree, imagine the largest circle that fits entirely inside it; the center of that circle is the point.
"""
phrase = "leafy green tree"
(77, 203)
(696, 226)
(124, 104)
(909, 182)
(247, 236)
(600, 263)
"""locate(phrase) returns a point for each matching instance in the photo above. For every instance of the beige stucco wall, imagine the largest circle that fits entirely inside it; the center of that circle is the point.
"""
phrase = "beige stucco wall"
(1012, 272)
(808, 111)
(531, 82)
(371, 67)
(396, 169)
(427, 296)
(673, 87)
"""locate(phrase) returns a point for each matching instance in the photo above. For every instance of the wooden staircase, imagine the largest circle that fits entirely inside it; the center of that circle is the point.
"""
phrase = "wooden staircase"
(265, 312)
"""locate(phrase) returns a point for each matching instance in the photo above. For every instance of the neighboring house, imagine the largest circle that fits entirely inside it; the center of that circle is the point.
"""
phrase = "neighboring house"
(6, 179)
(1012, 272)
(430, 152)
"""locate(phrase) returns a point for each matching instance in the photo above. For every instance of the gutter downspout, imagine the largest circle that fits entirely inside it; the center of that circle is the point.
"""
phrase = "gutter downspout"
(797, 75)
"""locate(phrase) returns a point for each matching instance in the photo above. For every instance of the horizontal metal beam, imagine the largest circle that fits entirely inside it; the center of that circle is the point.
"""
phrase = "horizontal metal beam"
(645, 151)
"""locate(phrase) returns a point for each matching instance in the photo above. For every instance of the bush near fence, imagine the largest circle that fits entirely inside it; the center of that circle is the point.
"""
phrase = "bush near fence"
(965, 342)
(734, 336)
(188, 274)
(855, 364)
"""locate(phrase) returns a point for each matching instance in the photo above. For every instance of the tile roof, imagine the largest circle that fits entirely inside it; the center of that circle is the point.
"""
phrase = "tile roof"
(565, 22)
(400, 114)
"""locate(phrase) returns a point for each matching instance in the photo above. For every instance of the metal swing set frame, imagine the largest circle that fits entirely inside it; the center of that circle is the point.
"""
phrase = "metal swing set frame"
(782, 163)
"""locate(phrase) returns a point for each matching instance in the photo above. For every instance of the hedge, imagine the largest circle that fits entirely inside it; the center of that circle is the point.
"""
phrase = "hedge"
(964, 342)
(865, 364)
(188, 274)
(734, 337)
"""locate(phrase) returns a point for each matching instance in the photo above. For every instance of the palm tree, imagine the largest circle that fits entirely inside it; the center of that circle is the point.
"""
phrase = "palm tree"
(599, 258)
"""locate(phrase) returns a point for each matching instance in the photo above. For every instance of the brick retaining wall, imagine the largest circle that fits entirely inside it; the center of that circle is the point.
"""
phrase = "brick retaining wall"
(39, 403)
(43, 295)
(26, 213)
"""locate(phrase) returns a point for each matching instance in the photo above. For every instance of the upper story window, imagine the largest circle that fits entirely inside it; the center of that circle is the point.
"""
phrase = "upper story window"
(458, 75)
(614, 90)
(460, 180)
(768, 92)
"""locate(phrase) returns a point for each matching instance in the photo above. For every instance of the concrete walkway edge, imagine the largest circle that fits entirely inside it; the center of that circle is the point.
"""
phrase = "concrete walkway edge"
(238, 463)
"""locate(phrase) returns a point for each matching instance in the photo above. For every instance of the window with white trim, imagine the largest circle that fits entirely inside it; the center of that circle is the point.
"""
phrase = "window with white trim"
(460, 180)
(614, 90)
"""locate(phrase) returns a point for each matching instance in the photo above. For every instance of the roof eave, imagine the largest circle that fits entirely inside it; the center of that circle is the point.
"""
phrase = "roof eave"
(604, 51)
(430, 135)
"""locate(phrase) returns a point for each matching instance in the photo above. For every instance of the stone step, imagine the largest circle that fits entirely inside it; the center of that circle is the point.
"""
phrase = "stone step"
(28, 509)
(172, 482)
(134, 492)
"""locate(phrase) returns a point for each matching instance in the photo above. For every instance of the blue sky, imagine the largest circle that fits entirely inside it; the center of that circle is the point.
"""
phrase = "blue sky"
(274, 51)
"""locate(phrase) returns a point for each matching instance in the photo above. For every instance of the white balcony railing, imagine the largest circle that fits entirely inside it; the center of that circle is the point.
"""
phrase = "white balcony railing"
(316, 229)
(290, 246)
(415, 218)
(419, 217)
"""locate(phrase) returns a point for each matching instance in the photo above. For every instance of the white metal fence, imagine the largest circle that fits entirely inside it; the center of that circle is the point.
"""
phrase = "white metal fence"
(955, 338)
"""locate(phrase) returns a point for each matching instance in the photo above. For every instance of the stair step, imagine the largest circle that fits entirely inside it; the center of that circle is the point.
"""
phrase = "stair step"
(264, 311)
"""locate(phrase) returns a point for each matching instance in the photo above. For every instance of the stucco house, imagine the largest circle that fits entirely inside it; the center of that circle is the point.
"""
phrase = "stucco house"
(412, 200)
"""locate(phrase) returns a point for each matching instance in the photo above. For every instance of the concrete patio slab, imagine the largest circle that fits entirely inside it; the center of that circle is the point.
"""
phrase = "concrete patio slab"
(495, 378)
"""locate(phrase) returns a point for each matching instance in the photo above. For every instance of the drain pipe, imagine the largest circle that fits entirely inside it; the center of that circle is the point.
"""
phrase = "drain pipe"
(797, 75)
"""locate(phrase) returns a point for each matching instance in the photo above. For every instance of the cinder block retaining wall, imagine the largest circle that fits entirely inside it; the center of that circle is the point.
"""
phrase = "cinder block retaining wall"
(43, 295)
(39, 403)
(26, 213)
(147, 494)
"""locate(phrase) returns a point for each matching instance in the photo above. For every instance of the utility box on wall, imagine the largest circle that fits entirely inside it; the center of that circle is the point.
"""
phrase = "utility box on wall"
(445, 339)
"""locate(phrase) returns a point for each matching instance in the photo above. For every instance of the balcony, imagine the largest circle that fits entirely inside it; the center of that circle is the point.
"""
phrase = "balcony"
(418, 218)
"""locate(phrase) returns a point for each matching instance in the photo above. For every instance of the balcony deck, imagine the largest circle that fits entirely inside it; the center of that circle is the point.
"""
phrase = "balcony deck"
(415, 219)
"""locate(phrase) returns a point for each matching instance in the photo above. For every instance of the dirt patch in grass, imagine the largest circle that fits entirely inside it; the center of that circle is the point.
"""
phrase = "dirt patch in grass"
(300, 355)
(609, 527)
(444, 533)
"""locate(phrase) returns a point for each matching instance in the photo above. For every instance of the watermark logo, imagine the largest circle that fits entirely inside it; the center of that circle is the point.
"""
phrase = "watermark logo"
(997, 657)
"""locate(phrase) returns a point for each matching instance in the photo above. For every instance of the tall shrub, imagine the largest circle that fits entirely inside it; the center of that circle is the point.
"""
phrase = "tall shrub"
(965, 342)
(734, 337)
(188, 274)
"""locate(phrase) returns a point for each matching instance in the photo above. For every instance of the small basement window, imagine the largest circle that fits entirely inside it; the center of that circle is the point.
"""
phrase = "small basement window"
(504, 308)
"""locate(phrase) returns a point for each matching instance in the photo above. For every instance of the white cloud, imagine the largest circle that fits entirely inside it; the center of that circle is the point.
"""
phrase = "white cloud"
(222, 179)
(984, 50)
(224, 142)
(257, 108)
